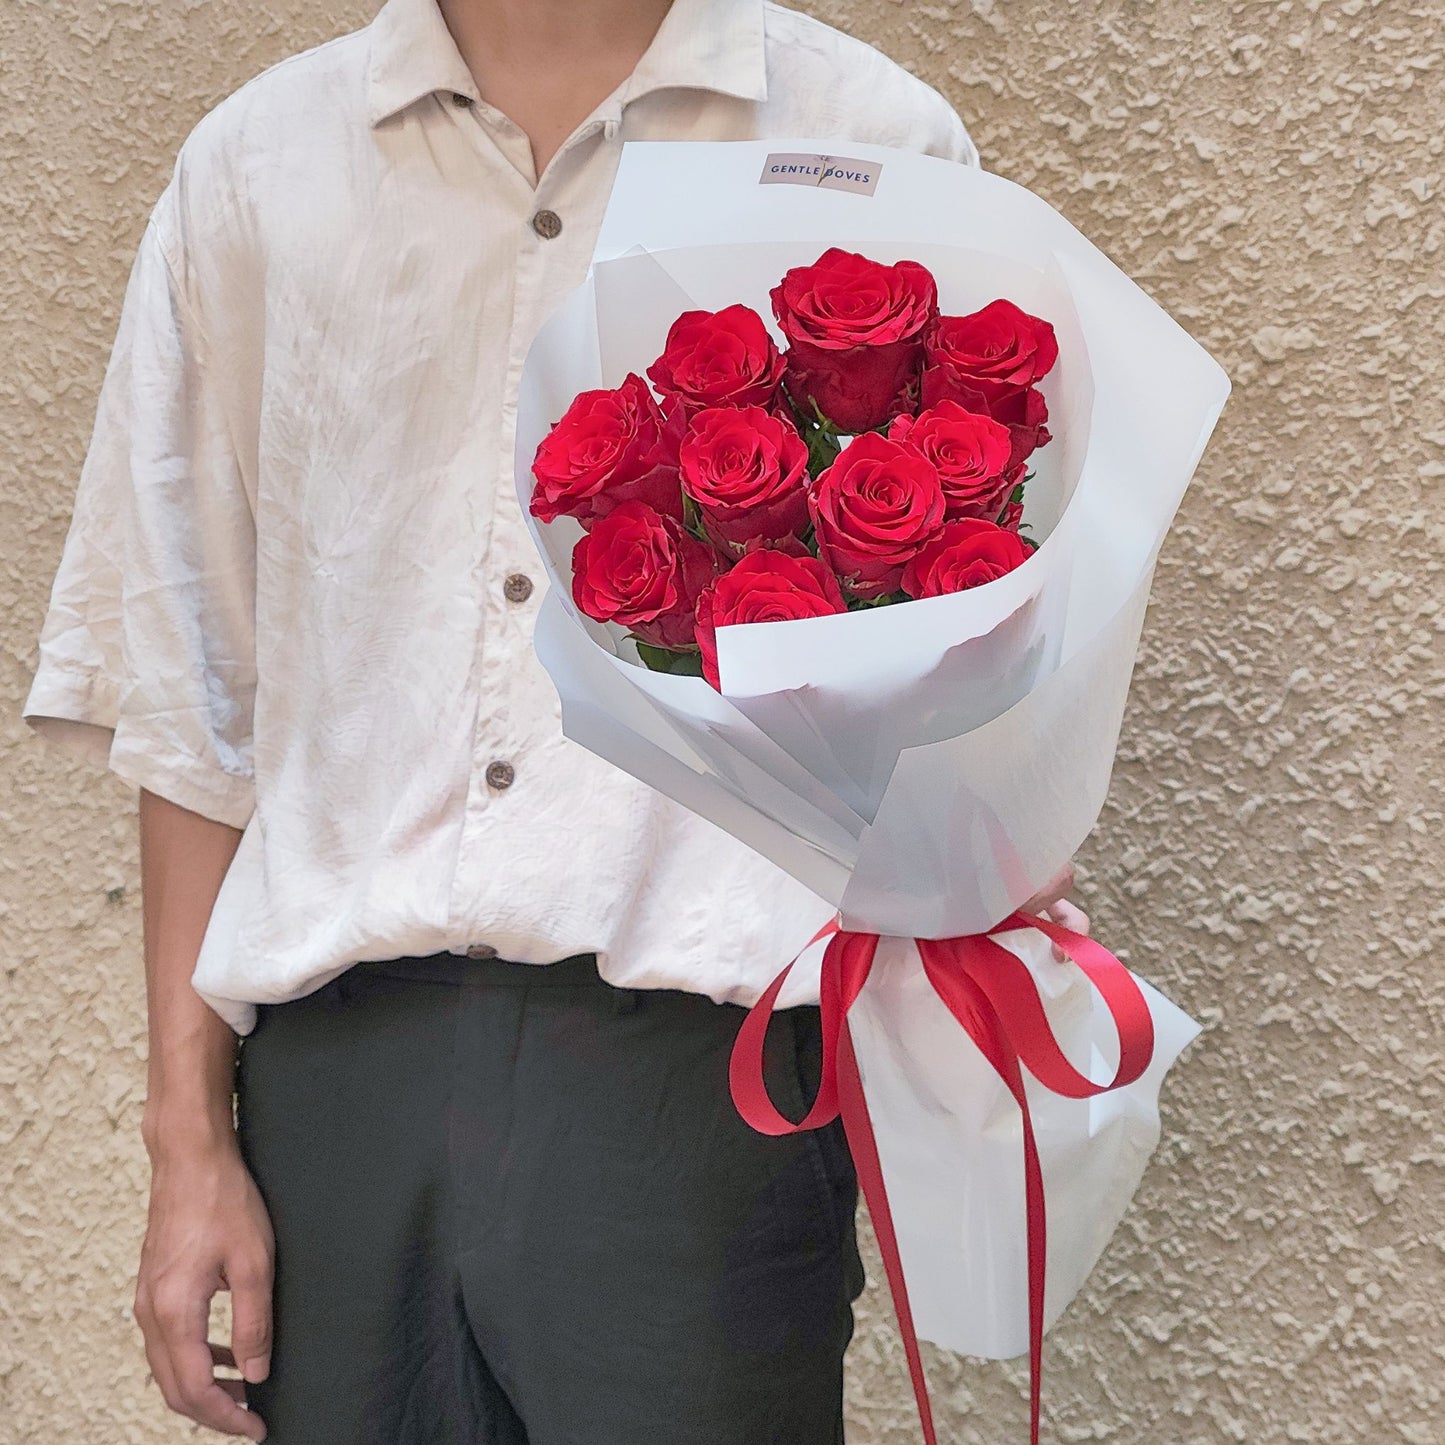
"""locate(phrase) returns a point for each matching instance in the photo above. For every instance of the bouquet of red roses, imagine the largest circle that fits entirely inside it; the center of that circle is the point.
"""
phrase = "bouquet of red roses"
(879, 456)
(896, 491)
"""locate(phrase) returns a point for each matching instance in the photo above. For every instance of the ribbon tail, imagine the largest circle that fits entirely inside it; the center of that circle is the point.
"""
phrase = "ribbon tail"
(746, 1079)
(864, 1148)
(951, 967)
(1037, 1229)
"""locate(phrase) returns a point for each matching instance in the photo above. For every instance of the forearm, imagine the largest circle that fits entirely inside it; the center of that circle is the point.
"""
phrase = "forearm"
(184, 858)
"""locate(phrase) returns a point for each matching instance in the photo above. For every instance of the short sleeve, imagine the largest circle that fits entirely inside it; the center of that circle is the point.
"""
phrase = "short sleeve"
(960, 144)
(147, 648)
(949, 136)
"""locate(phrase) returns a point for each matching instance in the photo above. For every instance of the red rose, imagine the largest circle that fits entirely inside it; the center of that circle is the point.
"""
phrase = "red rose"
(969, 452)
(1022, 412)
(855, 335)
(747, 472)
(872, 510)
(998, 350)
(765, 586)
(641, 569)
(965, 554)
(719, 358)
(611, 446)
(1011, 516)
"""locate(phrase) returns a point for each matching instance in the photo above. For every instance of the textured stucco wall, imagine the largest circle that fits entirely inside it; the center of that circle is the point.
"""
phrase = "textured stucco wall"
(1272, 851)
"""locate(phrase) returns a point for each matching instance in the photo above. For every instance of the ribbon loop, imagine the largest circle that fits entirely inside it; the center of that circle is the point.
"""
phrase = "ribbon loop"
(1006, 982)
(745, 1067)
(996, 1001)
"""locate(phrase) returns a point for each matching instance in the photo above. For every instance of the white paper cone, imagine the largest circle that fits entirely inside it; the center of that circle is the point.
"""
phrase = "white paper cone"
(950, 1140)
(929, 766)
(882, 757)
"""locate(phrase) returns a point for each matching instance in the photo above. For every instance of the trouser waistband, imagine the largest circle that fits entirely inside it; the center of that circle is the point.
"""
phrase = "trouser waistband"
(580, 969)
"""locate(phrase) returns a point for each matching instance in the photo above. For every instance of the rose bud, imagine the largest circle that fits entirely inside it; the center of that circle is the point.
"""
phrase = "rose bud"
(747, 472)
(969, 452)
(1012, 516)
(1022, 412)
(965, 554)
(639, 568)
(719, 358)
(872, 510)
(765, 586)
(611, 446)
(855, 336)
(998, 350)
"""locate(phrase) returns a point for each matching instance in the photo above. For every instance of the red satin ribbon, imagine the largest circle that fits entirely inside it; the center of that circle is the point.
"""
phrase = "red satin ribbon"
(992, 995)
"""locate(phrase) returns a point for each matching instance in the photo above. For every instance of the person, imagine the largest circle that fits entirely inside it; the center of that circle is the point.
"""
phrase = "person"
(439, 1005)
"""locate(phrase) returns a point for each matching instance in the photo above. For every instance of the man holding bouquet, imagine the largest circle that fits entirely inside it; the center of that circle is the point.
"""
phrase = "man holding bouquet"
(484, 1182)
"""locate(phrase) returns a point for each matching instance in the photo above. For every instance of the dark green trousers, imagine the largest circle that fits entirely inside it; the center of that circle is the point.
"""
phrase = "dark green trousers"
(515, 1206)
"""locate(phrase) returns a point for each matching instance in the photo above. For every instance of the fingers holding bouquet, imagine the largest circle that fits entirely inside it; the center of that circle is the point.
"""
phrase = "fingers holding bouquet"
(1052, 901)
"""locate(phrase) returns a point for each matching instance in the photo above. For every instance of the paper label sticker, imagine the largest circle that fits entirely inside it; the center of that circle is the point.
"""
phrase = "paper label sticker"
(830, 173)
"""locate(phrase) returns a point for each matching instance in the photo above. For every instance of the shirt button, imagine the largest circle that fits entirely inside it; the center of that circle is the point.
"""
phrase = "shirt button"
(481, 950)
(517, 587)
(500, 775)
(459, 99)
(547, 224)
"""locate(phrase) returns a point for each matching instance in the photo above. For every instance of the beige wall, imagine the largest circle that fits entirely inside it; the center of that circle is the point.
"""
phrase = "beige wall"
(1272, 851)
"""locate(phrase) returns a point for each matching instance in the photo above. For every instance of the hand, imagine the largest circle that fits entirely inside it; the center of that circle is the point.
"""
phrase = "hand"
(1050, 901)
(208, 1230)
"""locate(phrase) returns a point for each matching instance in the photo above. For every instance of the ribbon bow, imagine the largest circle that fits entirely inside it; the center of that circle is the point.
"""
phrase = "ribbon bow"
(994, 998)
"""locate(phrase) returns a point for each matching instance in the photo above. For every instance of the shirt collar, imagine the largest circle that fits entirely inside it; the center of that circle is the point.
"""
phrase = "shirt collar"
(715, 45)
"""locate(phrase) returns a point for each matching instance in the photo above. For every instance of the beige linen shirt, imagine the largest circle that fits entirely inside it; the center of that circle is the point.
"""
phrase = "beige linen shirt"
(297, 591)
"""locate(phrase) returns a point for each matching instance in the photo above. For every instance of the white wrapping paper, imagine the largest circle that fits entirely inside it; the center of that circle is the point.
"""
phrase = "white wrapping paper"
(928, 766)
(950, 1141)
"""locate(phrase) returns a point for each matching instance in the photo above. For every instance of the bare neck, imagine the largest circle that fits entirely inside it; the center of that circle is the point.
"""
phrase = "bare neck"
(548, 64)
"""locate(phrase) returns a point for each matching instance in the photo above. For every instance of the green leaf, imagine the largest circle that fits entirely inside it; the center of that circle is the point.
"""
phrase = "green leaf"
(692, 517)
(823, 451)
(859, 604)
(660, 659)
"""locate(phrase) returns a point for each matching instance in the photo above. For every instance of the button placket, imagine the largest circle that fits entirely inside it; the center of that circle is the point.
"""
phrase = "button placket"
(493, 735)
(585, 131)
(499, 749)
(507, 671)
(497, 743)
